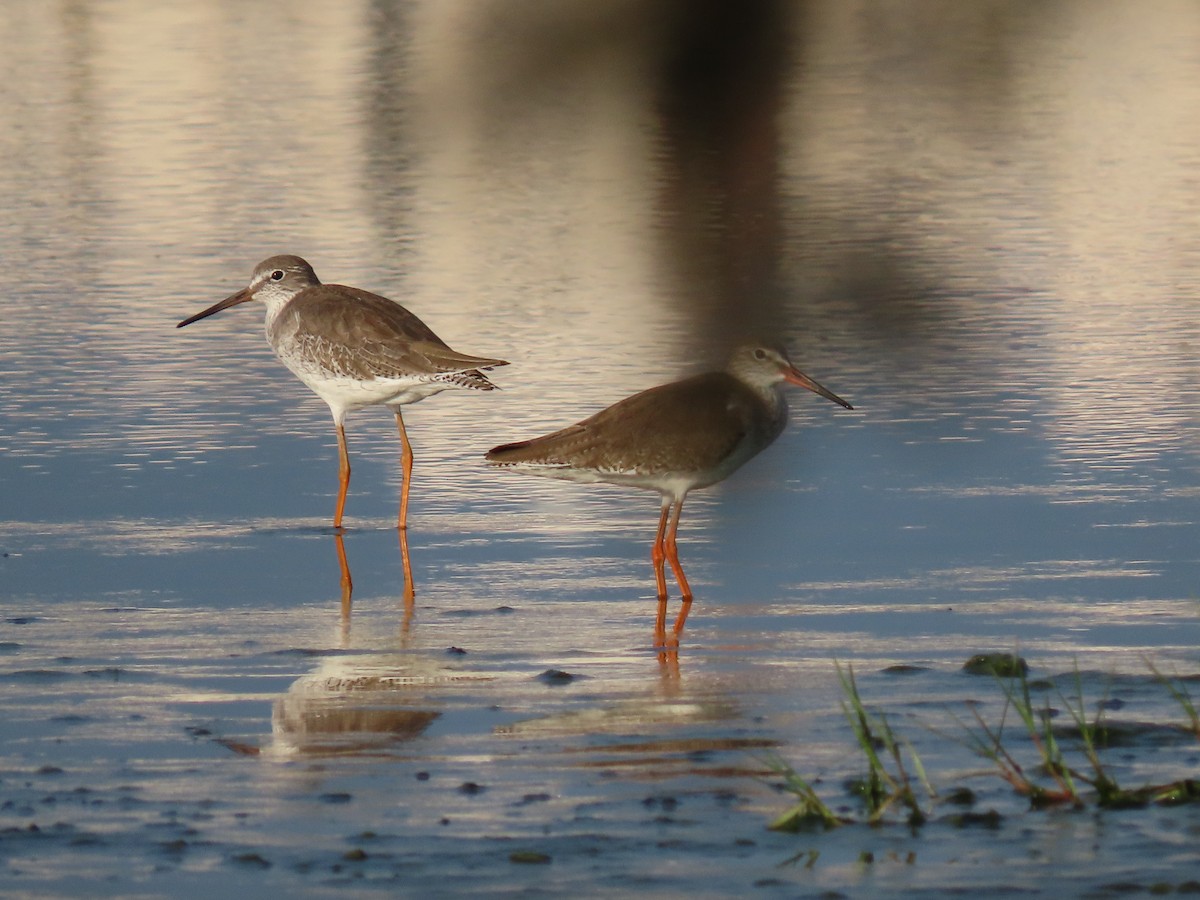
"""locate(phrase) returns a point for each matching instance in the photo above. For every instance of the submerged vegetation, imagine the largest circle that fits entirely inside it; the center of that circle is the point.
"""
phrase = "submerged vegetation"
(1067, 769)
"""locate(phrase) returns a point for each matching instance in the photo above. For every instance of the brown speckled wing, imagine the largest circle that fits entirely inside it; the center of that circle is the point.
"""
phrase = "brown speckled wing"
(362, 335)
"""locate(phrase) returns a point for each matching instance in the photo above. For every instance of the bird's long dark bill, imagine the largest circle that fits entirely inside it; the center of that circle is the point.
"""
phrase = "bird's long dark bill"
(240, 297)
(795, 376)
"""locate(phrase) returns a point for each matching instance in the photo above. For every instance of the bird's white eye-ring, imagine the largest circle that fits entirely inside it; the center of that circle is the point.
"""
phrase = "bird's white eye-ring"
(277, 275)
(760, 353)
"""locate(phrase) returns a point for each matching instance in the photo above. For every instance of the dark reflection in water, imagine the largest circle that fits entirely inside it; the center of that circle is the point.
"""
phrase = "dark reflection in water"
(722, 78)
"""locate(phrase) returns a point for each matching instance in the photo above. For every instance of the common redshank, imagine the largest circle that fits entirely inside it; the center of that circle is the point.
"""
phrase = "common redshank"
(354, 349)
(672, 439)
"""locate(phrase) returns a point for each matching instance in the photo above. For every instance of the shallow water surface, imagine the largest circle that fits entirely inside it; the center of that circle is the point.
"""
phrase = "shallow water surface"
(977, 225)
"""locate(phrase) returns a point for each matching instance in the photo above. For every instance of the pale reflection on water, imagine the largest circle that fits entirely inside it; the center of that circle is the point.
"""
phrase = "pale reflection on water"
(976, 222)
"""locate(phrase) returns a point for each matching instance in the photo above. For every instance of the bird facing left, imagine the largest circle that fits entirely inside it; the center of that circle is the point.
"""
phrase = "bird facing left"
(353, 349)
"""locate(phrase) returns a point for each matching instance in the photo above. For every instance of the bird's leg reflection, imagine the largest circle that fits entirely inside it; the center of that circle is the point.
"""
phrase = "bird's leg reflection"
(339, 543)
(347, 582)
(410, 592)
(684, 608)
(665, 642)
(668, 665)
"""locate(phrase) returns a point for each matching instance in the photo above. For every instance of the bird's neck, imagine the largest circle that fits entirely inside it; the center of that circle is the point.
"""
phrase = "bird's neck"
(776, 403)
(275, 304)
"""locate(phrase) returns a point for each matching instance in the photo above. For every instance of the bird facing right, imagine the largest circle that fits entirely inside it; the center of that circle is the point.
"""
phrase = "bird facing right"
(673, 439)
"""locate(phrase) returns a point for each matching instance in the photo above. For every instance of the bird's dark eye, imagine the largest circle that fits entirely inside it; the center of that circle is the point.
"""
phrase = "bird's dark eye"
(760, 353)
(277, 275)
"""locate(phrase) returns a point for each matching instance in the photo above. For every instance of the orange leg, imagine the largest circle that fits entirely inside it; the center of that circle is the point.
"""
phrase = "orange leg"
(343, 474)
(406, 464)
(658, 557)
(673, 558)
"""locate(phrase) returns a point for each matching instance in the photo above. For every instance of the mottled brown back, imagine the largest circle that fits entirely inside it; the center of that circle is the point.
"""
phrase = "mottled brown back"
(362, 335)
